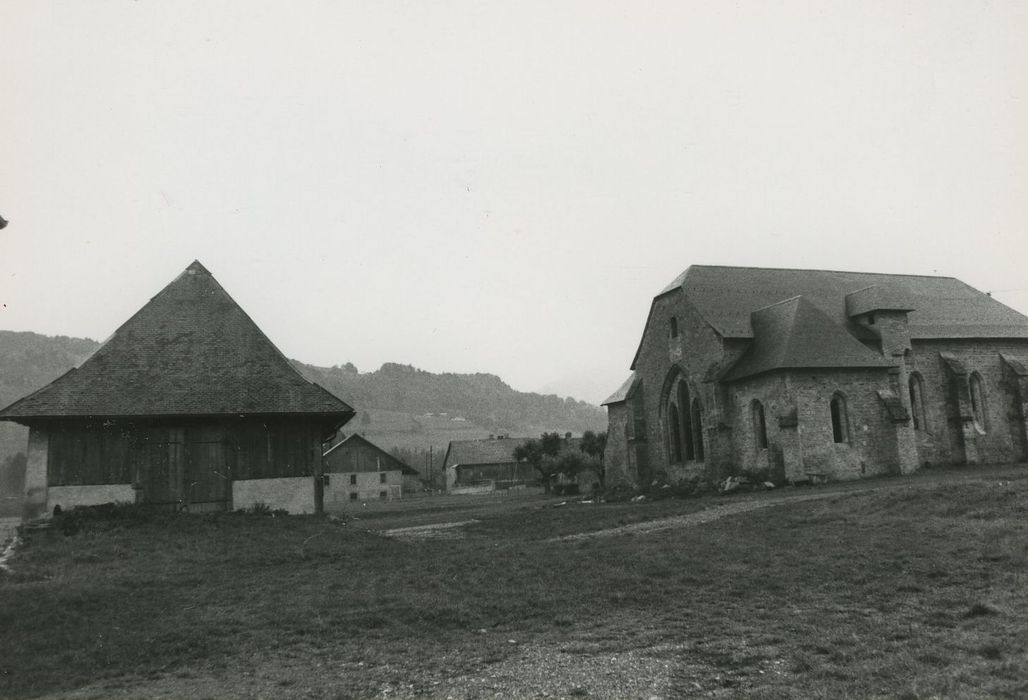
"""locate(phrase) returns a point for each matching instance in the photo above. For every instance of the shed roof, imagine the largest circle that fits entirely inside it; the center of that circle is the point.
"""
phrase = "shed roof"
(491, 450)
(190, 351)
(796, 334)
(943, 307)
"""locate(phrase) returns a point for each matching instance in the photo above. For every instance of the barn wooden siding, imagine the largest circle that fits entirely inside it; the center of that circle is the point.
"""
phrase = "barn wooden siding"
(192, 462)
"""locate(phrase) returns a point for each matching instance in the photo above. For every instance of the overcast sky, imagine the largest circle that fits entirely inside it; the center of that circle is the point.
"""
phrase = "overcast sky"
(497, 186)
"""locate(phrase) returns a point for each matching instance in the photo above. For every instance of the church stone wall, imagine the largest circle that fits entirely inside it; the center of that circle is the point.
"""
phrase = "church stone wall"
(696, 352)
(616, 468)
(942, 442)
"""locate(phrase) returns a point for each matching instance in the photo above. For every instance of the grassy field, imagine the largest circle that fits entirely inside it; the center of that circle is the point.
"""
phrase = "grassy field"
(915, 592)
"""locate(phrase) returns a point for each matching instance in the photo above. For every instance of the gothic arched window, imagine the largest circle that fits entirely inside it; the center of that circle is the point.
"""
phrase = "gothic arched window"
(978, 402)
(840, 419)
(674, 434)
(759, 424)
(917, 411)
(697, 429)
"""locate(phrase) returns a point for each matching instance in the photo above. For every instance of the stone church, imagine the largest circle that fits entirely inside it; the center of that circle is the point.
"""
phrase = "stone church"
(816, 374)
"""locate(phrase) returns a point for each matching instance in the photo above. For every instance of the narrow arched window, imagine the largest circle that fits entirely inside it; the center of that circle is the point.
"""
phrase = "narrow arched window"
(840, 420)
(673, 327)
(917, 411)
(978, 402)
(697, 429)
(759, 424)
(688, 444)
(674, 434)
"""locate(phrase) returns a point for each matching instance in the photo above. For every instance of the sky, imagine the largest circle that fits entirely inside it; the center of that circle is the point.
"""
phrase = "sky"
(497, 186)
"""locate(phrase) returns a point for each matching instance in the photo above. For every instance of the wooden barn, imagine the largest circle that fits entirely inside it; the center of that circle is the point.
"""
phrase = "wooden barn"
(357, 471)
(187, 405)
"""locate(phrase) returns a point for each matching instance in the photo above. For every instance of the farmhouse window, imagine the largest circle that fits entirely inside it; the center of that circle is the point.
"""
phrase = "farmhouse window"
(381, 477)
(353, 479)
(353, 496)
(383, 495)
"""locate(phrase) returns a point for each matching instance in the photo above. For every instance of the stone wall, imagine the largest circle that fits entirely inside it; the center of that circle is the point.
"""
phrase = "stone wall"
(294, 494)
(943, 439)
(617, 466)
(797, 413)
(356, 487)
(697, 353)
(71, 496)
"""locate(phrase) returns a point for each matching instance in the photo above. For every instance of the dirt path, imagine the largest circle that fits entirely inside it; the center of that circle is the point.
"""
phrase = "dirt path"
(704, 516)
(769, 500)
(8, 540)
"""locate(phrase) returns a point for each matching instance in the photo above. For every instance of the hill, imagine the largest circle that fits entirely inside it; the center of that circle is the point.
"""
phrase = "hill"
(399, 407)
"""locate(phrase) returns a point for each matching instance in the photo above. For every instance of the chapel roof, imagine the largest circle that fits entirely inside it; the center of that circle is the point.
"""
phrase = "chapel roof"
(794, 334)
(941, 307)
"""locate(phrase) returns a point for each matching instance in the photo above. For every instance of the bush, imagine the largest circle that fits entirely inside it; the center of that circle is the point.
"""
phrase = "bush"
(106, 516)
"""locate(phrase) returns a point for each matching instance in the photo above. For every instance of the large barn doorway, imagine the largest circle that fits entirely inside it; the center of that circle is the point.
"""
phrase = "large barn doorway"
(186, 468)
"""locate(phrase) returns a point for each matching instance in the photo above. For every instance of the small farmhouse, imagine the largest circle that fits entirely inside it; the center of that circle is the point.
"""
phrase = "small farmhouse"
(358, 471)
(187, 405)
(816, 374)
(479, 466)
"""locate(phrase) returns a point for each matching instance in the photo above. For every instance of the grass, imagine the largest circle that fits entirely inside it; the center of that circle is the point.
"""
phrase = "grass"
(914, 592)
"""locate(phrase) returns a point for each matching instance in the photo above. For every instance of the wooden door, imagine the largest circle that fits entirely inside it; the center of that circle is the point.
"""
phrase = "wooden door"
(160, 464)
(206, 478)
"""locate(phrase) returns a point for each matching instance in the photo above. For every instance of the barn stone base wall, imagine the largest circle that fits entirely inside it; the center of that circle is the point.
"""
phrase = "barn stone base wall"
(35, 474)
(294, 494)
(72, 496)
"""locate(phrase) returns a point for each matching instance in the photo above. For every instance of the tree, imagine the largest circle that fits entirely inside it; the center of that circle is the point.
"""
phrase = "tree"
(542, 455)
(594, 445)
(12, 475)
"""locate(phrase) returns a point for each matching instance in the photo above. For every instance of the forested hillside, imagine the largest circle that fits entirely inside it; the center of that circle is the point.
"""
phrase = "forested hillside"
(483, 399)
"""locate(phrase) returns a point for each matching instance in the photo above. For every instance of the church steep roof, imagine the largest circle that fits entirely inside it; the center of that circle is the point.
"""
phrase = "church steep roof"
(190, 351)
(795, 334)
(942, 307)
(623, 393)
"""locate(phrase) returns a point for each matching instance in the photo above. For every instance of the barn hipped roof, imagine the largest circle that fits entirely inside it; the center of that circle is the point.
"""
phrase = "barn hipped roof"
(942, 307)
(356, 439)
(795, 334)
(190, 351)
